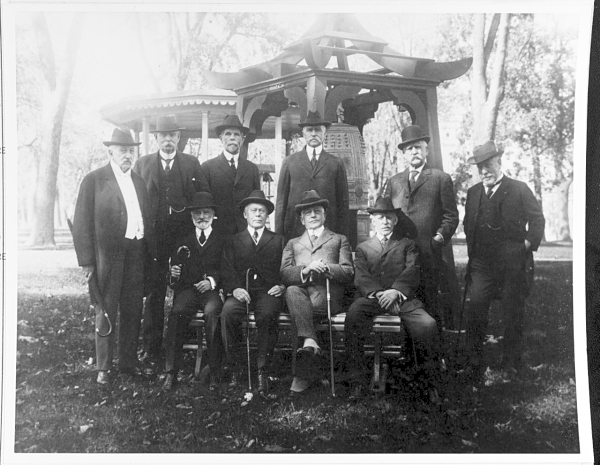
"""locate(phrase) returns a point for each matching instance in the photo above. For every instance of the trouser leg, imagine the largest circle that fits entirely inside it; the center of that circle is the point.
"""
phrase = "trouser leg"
(185, 304)
(358, 323)
(232, 315)
(423, 332)
(154, 310)
(266, 311)
(212, 329)
(111, 292)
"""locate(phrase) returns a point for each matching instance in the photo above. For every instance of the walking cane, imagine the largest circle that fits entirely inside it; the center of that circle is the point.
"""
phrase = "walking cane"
(330, 338)
(248, 330)
(462, 311)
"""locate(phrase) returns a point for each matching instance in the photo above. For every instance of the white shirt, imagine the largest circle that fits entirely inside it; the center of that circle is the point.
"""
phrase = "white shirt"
(418, 170)
(496, 185)
(318, 150)
(164, 156)
(135, 221)
(229, 157)
(316, 232)
(381, 236)
(259, 231)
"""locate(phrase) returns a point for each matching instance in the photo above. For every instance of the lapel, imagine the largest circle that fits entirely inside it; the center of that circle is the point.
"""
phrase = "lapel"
(305, 241)
(140, 187)
(324, 158)
(325, 237)
(246, 239)
(111, 180)
(391, 245)
(153, 166)
(502, 190)
(226, 167)
(264, 239)
(305, 162)
(423, 178)
(239, 172)
(374, 244)
(477, 193)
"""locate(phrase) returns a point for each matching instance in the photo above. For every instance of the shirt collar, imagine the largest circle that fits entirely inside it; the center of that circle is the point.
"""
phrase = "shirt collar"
(418, 170)
(118, 171)
(259, 231)
(381, 236)
(229, 156)
(164, 156)
(309, 150)
(207, 231)
(316, 232)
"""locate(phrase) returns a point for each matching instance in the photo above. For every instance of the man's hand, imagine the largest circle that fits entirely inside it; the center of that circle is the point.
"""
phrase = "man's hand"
(176, 271)
(277, 290)
(316, 266)
(203, 286)
(437, 240)
(527, 245)
(387, 298)
(88, 272)
(241, 295)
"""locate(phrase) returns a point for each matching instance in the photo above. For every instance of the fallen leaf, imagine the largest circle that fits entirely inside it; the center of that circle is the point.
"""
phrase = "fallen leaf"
(184, 406)
(84, 428)
(250, 443)
(375, 437)
(324, 438)
(571, 381)
(274, 448)
(27, 339)
(469, 443)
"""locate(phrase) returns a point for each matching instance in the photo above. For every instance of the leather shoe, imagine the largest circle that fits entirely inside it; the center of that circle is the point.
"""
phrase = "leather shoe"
(102, 377)
(170, 382)
(263, 381)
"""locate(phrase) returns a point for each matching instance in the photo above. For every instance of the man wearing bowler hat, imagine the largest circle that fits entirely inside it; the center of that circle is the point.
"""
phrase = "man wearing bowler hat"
(427, 197)
(308, 260)
(171, 178)
(504, 224)
(112, 235)
(195, 275)
(259, 250)
(312, 169)
(386, 277)
(231, 178)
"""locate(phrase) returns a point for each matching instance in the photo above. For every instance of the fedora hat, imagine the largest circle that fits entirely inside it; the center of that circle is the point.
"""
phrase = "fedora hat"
(166, 124)
(412, 134)
(383, 205)
(120, 137)
(484, 152)
(231, 121)
(311, 199)
(202, 200)
(314, 119)
(257, 196)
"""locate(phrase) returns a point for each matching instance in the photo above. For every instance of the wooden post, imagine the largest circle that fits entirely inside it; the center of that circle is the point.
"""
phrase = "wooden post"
(316, 90)
(146, 131)
(205, 134)
(278, 158)
(434, 158)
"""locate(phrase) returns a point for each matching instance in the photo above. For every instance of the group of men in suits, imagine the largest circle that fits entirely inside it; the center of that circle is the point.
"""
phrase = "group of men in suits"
(142, 219)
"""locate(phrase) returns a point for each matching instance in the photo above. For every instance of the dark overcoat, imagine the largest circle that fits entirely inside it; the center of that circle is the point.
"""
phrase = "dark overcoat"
(228, 191)
(328, 179)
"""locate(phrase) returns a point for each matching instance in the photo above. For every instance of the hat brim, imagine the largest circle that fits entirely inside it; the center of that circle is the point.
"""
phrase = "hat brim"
(249, 200)
(197, 207)
(108, 143)
(317, 123)
(372, 211)
(475, 159)
(155, 131)
(220, 129)
(317, 203)
(401, 145)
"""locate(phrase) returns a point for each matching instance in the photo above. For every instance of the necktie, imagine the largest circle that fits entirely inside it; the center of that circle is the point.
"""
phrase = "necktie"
(232, 162)
(489, 191)
(167, 166)
(202, 238)
(312, 238)
(383, 242)
(313, 161)
(413, 175)
(255, 237)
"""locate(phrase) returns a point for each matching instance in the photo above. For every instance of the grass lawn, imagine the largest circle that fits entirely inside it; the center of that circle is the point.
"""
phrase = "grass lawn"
(60, 408)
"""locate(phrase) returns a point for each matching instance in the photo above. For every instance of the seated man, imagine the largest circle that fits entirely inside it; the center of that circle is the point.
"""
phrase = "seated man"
(259, 250)
(387, 274)
(195, 285)
(307, 261)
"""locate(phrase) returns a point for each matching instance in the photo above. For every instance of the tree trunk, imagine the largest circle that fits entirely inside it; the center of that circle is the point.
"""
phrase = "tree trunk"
(55, 95)
(562, 226)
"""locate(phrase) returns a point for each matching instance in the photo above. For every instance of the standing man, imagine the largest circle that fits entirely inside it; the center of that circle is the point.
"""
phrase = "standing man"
(504, 225)
(312, 169)
(259, 250)
(195, 271)
(112, 235)
(426, 195)
(387, 276)
(231, 178)
(307, 260)
(171, 178)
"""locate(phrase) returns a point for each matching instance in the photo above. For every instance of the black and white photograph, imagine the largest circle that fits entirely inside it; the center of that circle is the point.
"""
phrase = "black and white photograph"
(331, 232)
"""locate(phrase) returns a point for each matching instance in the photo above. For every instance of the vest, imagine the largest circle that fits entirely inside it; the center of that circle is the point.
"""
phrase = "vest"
(489, 228)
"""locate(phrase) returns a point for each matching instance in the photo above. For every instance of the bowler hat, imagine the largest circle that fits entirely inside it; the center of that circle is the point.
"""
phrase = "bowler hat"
(257, 196)
(311, 199)
(202, 200)
(120, 137)
(166, 124)
(383, 205)
(412, 134)
(484, 152)
(314, 119)
(231, 121)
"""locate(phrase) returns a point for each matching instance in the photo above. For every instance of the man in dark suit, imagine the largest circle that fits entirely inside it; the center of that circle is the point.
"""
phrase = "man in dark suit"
(195, 267)
(231, 178)
(387, 276)
(259, 250)
(112, 234)
(312, 169)
(504, 224)
(171, 178)
(426, 195)
(307, 260)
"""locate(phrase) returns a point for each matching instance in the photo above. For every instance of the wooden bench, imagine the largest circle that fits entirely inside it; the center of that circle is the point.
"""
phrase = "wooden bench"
(383, 324)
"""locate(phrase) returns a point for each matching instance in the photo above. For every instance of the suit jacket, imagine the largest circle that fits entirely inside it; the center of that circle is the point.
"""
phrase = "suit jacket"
(241, 253)
(431, 206)
(203, 261)
(522, 217)
(395, 267)
(100, 222)
(334, 249)
(228, 191)
(328, 179)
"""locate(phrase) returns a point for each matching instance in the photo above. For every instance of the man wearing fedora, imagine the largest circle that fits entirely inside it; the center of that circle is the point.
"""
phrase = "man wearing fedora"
(387, 276)
(171, 178)
(259, 250)
(312, 169)
(230, 177)
(503, 224)
(112, 234)
(308, 260)
(195, 264)
(427, 197)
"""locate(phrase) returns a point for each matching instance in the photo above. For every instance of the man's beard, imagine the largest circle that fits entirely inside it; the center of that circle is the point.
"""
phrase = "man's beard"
(169, 149)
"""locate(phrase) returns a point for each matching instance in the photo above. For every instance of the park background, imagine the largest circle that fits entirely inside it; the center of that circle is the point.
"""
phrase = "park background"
(144, 53)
